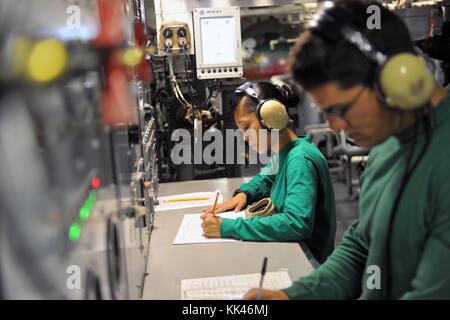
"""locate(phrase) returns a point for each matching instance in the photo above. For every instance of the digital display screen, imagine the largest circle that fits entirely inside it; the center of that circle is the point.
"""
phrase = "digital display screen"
(218, 40)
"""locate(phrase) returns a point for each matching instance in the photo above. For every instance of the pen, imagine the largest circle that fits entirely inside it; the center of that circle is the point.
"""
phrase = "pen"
(263, 273)
(215, 204)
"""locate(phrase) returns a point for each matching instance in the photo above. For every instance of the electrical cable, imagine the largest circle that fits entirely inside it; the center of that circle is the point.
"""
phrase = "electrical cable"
(212, 93)
(428, 123)
(175, 87)
(187, 61)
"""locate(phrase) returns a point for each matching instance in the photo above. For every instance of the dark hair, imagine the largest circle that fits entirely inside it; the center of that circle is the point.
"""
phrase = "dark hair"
(315, 60)
(288, 94)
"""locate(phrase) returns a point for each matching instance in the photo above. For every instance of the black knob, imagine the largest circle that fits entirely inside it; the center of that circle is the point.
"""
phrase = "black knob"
(167, 33)
(181, 32)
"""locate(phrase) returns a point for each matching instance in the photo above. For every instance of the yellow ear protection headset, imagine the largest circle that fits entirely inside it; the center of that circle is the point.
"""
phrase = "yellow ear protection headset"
(271, 113)
(402, 80)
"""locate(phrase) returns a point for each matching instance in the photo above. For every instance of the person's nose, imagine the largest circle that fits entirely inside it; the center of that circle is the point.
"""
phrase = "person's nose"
(337, 123)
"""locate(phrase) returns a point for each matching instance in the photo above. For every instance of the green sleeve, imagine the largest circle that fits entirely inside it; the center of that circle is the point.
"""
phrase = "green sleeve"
(340, 276)
(432, 279)
(297, 219)
(260, 185)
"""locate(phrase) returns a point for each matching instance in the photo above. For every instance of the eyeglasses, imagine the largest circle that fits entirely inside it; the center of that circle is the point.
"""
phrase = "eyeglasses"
(341, 109)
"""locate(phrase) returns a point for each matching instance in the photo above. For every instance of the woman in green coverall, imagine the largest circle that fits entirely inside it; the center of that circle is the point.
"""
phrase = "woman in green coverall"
(296, 179)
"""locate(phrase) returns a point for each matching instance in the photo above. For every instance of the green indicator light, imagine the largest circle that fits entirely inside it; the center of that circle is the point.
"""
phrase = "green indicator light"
(93, 197)
(75, 231)
(84, 213)
(87, 204)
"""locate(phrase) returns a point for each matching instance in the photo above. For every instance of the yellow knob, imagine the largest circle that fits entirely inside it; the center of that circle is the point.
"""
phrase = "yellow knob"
(131, 57)
(47, 60)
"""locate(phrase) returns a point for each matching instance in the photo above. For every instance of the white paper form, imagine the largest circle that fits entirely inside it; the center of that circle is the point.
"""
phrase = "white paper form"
(188, 200)
(231, 287)
(191, 231)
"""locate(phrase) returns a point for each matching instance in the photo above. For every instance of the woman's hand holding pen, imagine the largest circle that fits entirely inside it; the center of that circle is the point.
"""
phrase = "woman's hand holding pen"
(238, 202)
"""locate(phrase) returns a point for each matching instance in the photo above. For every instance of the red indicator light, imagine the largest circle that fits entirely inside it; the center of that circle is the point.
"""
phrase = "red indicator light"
(95, 183)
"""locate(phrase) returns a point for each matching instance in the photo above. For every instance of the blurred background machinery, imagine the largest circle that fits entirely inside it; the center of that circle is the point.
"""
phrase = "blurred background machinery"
(77, 149)
(265, 30)
(268, 31)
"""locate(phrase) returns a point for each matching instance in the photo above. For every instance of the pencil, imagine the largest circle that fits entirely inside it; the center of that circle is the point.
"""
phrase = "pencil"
(215, 204)
(186, 199)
